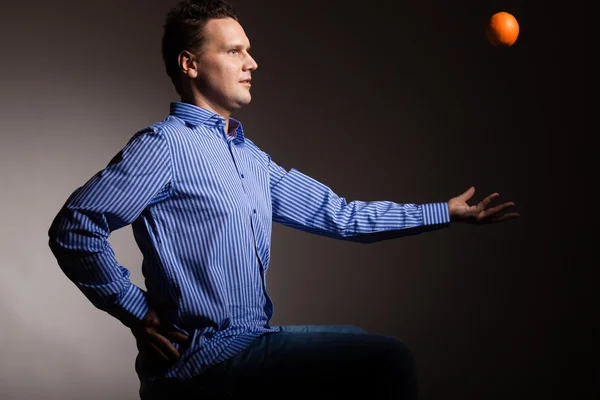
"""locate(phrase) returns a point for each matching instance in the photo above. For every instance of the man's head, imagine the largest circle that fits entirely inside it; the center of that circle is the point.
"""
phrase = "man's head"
(206, 55)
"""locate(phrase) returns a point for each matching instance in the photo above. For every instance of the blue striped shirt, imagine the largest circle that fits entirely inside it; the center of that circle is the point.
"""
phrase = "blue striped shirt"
(201, 203)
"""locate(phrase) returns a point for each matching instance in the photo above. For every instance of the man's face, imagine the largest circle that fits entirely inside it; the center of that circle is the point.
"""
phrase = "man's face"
(225, 66)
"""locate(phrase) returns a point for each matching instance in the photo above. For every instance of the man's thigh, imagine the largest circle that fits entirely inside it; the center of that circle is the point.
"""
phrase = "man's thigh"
(322, 360)
(310, 360)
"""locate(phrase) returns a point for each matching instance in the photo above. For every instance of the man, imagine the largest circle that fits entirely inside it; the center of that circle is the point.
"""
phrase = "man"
(201, 198)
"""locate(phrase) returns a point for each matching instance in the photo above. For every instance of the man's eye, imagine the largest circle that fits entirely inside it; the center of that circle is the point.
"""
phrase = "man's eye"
(233, 51)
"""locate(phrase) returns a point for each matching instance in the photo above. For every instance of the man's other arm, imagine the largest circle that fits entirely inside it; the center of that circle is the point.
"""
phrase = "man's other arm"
(111, 199)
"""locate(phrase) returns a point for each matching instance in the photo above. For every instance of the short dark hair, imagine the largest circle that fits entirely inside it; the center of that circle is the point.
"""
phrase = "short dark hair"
(184, 30)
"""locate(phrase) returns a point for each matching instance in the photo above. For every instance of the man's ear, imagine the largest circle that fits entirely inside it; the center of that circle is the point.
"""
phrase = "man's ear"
(188, 64)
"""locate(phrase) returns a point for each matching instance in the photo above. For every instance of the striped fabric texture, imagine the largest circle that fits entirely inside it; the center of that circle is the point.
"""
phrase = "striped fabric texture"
(201, 203)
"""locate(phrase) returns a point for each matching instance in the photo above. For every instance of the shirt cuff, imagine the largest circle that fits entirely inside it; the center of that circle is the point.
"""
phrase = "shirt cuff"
(131, 307)
(436, 214)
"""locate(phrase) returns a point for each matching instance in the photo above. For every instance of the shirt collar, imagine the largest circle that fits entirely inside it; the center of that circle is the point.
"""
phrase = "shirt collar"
(194, 116)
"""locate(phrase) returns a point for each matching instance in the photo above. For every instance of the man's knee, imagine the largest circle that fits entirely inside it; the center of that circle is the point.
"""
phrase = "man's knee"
(395, 356)
(393, 370)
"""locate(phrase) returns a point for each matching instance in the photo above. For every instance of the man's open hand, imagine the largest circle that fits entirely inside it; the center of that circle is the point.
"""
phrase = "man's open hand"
(460, 211)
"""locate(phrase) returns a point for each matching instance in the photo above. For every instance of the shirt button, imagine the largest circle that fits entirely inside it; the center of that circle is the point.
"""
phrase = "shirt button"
(254, 211)
(242, 175)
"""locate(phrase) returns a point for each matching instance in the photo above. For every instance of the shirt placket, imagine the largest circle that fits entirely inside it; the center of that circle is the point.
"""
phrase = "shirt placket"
(253, 216)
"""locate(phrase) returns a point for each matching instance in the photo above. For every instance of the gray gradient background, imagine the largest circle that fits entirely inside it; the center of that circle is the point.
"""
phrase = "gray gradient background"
(402, 101)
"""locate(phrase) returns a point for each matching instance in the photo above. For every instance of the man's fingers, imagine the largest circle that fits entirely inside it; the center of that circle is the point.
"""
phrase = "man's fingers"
(505, 217)
(498, 208)
(156, 351)
(177, 337)
(157, 340)
(485, 202)
(165, 346)
(467, 194)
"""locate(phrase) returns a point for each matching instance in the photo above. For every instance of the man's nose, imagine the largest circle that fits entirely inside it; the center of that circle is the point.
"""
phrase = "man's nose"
(252, 64)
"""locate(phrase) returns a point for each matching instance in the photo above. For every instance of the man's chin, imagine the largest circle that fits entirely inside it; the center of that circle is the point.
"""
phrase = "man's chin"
(244, 101)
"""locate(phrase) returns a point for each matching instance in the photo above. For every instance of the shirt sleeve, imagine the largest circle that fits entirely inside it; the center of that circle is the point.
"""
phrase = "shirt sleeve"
(301, 202)
(114, 197)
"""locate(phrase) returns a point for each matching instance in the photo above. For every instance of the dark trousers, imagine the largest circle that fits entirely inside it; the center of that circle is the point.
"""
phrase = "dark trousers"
(307, 360)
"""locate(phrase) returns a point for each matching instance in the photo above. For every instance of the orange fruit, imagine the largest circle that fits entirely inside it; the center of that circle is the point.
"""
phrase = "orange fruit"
(502, 29)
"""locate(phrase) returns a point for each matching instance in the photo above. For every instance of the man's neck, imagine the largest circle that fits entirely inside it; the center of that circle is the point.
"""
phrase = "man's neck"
(199, 101)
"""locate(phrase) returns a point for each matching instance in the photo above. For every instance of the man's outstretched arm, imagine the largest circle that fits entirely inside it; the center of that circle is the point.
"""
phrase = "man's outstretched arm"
(302, 202)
